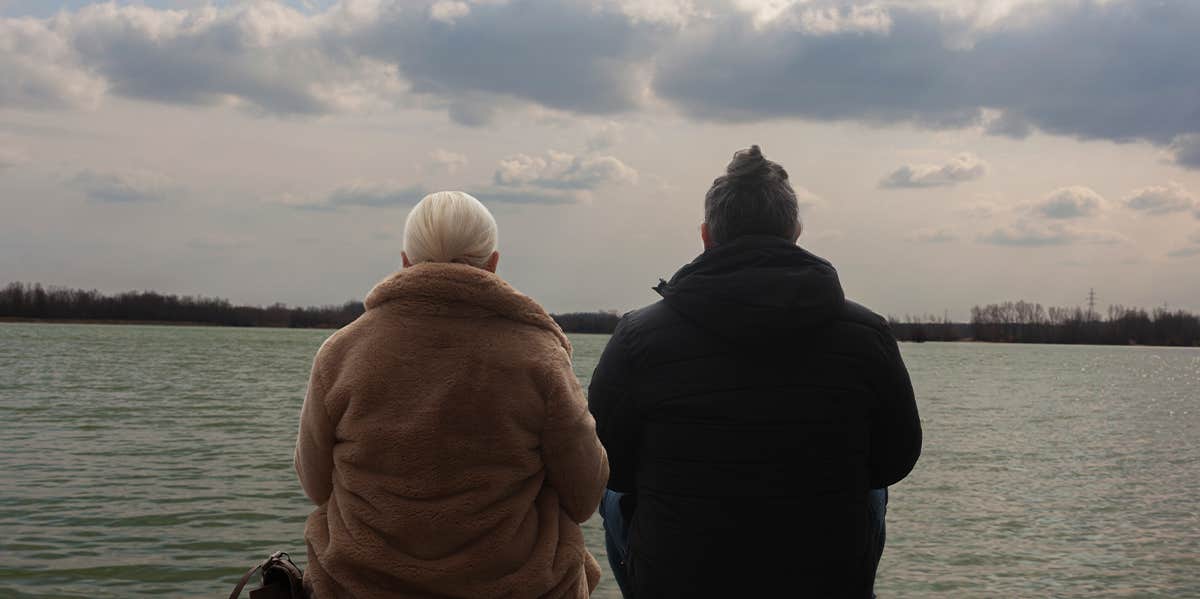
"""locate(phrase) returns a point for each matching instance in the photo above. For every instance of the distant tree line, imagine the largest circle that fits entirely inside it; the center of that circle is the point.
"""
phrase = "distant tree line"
(1009, 322)
(22, 301)
(929, 328)
(588, 322)
(35, 302)
(1025, 322)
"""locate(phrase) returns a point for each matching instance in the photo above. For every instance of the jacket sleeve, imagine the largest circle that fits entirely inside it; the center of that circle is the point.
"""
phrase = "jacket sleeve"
(576, 465)
(314, 444)
(895, 424)
(610, 400)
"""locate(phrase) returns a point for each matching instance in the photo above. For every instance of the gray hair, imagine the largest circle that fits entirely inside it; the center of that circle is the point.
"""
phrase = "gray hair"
(752, 198)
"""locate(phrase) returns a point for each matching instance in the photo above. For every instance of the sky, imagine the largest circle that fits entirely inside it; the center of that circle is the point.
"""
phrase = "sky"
(946, 153)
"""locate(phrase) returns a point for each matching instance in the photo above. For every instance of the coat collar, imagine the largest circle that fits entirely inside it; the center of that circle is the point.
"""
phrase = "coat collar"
(452, 289)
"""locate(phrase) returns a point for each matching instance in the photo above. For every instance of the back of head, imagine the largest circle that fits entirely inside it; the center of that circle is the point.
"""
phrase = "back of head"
(450, 226)
(752, 198)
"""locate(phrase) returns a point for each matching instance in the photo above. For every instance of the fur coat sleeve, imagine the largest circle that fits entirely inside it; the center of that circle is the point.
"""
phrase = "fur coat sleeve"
(576, 464)
(314, 444)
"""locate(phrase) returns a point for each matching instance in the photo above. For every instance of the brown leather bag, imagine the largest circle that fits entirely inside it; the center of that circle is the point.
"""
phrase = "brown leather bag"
(281, 579)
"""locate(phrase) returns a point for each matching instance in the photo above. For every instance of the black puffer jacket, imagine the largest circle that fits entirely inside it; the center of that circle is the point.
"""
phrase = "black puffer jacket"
(749, 411)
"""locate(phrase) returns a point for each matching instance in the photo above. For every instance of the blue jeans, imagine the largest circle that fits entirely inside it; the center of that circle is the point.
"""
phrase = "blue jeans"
(616, 534)
(877, 500)
(616, 537)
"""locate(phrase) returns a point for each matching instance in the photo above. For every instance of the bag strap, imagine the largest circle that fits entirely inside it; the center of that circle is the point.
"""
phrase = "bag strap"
(237, 590)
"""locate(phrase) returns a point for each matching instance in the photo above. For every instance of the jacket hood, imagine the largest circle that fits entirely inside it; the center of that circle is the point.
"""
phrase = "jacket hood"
(460, 290)
(755, 287)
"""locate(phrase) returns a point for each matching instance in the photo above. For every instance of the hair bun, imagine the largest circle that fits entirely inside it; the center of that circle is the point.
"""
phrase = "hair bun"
(748, 162)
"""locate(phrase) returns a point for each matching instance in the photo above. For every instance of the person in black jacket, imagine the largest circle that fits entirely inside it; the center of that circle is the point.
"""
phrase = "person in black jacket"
(753, 417)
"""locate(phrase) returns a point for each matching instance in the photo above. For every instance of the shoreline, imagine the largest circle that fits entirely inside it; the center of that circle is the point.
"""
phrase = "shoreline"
(174, 323)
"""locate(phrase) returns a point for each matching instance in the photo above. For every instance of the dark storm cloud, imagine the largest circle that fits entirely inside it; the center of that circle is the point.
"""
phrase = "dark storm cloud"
(729, 69)
(264, 55)
(1009, 124)
(271, 58)
(1186, 149)
(1120, 70)
(569, 55)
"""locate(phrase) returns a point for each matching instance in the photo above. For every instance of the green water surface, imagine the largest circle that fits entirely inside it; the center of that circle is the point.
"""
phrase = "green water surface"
(154, 461)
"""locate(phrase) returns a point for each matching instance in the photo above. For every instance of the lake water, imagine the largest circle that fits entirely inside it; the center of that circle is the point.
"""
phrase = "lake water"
(144, 461)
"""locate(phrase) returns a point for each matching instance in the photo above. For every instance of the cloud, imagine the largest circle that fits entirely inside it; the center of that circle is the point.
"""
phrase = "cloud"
(129, 186)
(1008, 124)
(41, 70)
(1186, 149)
(375, 195)
(933, 235)
(1161, 199)
(448, 161)
(261, 55)
(1090, 69)
(362, 194)
(576, 56)
(447, 11)
(1070, 203)
(1024, 233)
(818, 18)
(389, 194)
(467, 58)
(560, 170)
(1187, 252)
(662, 12)
(961, 168)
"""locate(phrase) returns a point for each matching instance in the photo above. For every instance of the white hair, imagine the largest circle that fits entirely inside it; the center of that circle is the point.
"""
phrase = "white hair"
(450, 226)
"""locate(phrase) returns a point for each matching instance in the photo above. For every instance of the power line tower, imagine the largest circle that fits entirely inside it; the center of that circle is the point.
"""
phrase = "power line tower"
(1092, 304)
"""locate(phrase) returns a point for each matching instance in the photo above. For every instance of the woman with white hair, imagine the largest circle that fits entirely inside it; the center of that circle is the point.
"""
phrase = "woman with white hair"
(444, 438)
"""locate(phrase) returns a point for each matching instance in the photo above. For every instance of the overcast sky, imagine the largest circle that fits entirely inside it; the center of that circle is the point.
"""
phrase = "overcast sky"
(947, 152)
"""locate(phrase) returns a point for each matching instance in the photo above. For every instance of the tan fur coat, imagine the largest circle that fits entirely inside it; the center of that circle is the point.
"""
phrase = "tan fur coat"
(448, 447)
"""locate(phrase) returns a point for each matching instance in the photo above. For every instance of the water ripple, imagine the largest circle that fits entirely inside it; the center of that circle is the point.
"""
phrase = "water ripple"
(156, 461)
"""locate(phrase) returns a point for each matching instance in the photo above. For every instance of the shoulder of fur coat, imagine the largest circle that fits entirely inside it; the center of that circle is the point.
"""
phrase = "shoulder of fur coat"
(446, 288)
